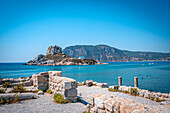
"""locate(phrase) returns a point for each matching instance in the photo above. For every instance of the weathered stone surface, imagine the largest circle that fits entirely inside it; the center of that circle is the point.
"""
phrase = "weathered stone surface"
(90, 99)
(88, 108)
(71, 92)
(89, 83)
(67, 85)
(101, 111)
(53, 50)
(147, 95)
(38, 57)
(102, 85)
(99, 102)
(22, 96)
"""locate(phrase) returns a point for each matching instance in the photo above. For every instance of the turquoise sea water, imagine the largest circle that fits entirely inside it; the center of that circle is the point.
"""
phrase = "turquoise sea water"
(159, 72)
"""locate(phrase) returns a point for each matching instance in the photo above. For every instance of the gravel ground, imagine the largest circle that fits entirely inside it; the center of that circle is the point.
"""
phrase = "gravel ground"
(44, 104)
(94, 90)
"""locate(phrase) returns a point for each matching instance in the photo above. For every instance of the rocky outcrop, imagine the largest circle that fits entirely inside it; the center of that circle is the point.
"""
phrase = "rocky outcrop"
(53, 50)
(55, 57)
(38, 57)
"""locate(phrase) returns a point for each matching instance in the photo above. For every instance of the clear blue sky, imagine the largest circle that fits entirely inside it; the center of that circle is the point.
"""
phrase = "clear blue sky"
(29, 27)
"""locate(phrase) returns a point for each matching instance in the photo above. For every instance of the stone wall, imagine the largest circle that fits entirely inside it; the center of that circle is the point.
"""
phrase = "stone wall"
(107, 103)
(144, 93)
(52, 80)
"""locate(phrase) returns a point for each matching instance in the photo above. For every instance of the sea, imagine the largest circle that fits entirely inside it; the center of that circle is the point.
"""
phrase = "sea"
(159, 72)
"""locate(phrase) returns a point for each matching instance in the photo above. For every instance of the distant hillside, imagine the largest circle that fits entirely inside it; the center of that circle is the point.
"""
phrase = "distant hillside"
(105, 53)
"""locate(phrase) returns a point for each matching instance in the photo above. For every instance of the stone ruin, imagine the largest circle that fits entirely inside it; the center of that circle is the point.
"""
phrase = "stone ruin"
(52, 80)
(109, 103)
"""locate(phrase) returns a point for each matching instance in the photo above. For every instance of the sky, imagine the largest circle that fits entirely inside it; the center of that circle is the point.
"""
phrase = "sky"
(29, 27)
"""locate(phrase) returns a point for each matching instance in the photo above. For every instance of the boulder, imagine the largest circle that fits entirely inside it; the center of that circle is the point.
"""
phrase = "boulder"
(147, 95)
(40, 92)
(102, 85)
(89, 83)
(71, 92)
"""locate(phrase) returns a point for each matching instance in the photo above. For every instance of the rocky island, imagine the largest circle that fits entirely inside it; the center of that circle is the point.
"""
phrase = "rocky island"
(55, 57)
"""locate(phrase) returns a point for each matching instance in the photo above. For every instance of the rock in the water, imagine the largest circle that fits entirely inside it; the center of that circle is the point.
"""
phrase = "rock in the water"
(52, 50)
(40, 92)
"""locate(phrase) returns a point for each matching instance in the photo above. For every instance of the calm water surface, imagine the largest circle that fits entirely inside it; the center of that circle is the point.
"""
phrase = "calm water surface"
(159, 72)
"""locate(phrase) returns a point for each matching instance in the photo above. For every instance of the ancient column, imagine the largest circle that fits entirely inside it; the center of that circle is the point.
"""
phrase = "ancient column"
(120, 81)
(136, 81)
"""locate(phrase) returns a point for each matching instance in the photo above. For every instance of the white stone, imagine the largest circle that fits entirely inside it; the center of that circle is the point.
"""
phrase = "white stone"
(40, 92)
(99, 102)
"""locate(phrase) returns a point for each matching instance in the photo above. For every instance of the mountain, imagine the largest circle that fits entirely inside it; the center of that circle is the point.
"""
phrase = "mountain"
(105, 53)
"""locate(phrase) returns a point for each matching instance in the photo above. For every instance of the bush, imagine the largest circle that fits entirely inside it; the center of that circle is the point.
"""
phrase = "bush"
(6, 85)
(58, 98)
(3, 90)
(40, 90)
(126, 91)
(9, 100)
(49, 91)
(113, 90)
(18, 88)
(157, 100)
(133, 91)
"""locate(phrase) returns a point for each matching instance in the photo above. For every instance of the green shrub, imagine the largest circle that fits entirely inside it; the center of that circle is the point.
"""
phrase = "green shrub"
(49, 91)
(152, 98)
(79, 84)
(126, 91)
(6, 85)
(113, 90)
(85, 112)
(133, 91)
(18, 88)
(3, 90)
(9, 100)
(58, 98)
(157, 100)
(40, 90)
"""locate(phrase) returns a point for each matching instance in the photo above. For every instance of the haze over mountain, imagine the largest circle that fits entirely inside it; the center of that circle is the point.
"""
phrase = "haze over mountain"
(105, 53)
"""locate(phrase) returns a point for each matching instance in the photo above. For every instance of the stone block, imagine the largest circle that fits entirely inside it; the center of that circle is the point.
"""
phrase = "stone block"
(74, 84)
(108, 105)
(40, 92)
(89, 83)
(67, 85)
(71, 92)
(99, 102)
(147, 95)
(101, 111)
(90, 99)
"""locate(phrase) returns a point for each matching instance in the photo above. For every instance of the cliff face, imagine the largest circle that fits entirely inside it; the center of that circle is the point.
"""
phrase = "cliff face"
(53, 50)
(104, 53)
